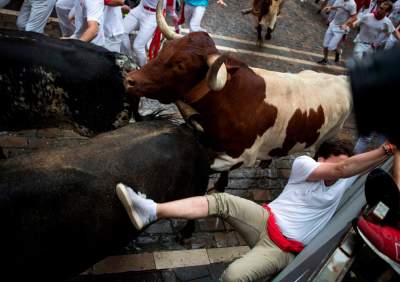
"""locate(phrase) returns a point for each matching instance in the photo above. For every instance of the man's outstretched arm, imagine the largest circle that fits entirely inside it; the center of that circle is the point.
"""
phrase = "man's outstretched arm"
(352, 166)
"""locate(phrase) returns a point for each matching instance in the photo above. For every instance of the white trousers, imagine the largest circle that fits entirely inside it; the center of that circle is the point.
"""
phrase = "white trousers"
(332, 38)
(144, 21)
(113, 43)
(34, 14)
(361, 50)
(4, 3)
(63, 8)
(194, 15)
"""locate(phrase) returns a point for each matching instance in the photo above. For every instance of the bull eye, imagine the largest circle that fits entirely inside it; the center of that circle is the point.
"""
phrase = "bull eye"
(181, 66)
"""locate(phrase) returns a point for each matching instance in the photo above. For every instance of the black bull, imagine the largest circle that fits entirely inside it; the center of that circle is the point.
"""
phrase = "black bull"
(58, 210)
(47, 82)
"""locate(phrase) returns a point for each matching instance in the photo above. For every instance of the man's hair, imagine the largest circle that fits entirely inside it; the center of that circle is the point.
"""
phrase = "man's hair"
(387, 6)
(334, 147)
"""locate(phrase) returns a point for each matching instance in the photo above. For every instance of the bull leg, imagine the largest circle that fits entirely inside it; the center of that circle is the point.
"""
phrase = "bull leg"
(268, 34)
(222, 182)
(271, 27)
(259, 38)
(187, 231)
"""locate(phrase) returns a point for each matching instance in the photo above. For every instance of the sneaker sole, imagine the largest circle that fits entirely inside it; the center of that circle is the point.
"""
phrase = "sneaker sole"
(392, 263)
(123, 196)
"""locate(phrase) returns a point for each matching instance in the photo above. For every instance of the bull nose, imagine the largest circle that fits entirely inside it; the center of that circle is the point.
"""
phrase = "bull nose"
(130, 82)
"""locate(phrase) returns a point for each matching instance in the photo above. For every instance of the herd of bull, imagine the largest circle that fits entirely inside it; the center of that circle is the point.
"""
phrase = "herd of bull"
(58, 209)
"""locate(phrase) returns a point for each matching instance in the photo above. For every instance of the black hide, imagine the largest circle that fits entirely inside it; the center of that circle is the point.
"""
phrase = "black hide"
(46, 82)
(58, 210)
(375, 88)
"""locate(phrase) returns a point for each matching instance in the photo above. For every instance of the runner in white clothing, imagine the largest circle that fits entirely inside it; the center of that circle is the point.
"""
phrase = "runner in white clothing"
(63, 10)
(344, 10)
(89, 21)
(142, 17)
(34, 14)
(113, 26)
(372, 27)
(99, 23)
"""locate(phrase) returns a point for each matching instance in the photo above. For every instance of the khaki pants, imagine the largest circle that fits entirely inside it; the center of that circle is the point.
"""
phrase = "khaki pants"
(249, 220)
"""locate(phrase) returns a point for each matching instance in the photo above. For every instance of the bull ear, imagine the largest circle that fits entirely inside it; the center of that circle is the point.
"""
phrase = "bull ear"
(162, 23)
(217, 74)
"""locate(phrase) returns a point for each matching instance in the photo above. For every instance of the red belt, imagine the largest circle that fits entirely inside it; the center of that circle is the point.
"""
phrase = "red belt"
(149, 8)
(278, 238)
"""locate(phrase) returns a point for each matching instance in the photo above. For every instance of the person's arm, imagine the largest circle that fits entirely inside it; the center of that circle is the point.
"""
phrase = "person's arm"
(95, 10)
(90, 32)
(349, 22)
(396, 33)
(221, 2)
(351, 166)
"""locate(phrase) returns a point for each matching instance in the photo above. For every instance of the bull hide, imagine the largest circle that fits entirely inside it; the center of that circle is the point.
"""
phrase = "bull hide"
(58, 210)
(48, 82)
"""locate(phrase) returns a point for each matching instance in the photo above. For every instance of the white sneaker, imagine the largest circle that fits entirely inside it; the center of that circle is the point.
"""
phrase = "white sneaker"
(141, 211)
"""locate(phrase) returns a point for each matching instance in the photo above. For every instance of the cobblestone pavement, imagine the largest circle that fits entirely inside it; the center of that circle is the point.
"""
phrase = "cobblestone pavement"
(295, 46)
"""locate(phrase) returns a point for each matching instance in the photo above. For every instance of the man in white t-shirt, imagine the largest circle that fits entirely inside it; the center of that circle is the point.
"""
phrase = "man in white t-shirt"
(89, 21)
(344, 10)
(374, 27)
(277, 230)
(98, 24)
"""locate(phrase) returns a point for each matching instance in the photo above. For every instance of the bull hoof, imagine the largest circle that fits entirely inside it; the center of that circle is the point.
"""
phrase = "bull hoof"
(259, 43)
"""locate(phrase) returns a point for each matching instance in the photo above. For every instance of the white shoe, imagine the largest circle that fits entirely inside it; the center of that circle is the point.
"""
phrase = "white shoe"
(141, 211)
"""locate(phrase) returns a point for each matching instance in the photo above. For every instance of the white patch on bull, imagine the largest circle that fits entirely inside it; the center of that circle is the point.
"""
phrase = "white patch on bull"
(47, 97)
(125, 63)
(288, 92)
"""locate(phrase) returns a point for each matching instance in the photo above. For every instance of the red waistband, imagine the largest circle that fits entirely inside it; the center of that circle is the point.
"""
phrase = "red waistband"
(275, 234)
(149, 8)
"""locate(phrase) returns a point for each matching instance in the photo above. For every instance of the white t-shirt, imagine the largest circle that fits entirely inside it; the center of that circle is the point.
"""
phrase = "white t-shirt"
(344, 10)
(113, 21)
(304, 208)
(371, 28)
(89, 10)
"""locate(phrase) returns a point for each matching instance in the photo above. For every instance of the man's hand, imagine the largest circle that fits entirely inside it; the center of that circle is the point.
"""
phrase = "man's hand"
(221, 2)
(125, 9)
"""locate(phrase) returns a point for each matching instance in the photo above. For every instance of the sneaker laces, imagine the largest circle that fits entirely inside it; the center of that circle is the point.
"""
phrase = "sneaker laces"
(142, 195)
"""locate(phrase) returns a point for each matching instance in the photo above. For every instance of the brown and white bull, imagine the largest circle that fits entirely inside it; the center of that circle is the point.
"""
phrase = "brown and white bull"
(265, 13)
(247, 114)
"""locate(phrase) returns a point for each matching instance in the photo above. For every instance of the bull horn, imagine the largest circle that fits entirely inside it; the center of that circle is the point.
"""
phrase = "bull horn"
(162, 23)
(189, 114)
(217, 74)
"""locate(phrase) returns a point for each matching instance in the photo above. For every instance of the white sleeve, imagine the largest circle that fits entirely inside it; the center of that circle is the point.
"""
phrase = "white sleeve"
(390, 27)
(95, 10)
(353, 9)
(302, 168)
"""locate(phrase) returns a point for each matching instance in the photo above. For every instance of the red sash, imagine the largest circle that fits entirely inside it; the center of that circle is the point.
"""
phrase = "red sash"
(275, 234)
